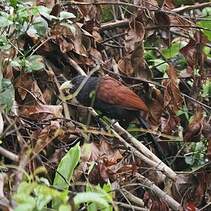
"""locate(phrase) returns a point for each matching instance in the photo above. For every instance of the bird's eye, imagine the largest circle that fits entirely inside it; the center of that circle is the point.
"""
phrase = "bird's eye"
(92, 94)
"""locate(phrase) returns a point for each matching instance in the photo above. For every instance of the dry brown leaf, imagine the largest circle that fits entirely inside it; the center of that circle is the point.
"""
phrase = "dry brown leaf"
(194, 129)
(23, 83)
(45, 136)
(156, 107)
(103, 151)
(69, 38)
(192, 51)
(190, 188)
(90, 11)
(169, 124)
(140, 68)
(40, 112)
(125, 66)
(172, 95)
(206, 131)
(134, 36)
(133, 63)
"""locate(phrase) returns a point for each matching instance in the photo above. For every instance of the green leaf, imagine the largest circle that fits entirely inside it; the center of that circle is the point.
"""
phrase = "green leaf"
(16, 63)
(206, 11)
(65, 208)
(41, 26)
(25, 188)
(45, 194)
(34, 63)
(206, 25)
(13, 3)
(45, 12)
(66, 168)
(172, 51)
(28, 205)
(189, 159)
(161, 65)
(66, 15)
(4, 20)
(206, 91)
(23, 199)
(88, 197)
(7, 94)
(4, 44)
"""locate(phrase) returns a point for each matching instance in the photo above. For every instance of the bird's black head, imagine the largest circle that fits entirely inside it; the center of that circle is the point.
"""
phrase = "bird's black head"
(76, 82)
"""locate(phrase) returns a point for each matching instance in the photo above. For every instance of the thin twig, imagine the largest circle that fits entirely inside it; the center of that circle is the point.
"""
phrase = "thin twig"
(9, 154)
(128, 206)
(161, 194)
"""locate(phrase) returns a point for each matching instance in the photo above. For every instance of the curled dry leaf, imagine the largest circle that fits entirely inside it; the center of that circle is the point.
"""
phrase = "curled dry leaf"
(103, 151)
(169, 124)
(156, 107)
(125, 65)
(190, 188)
(40, 112)
(134, 35)
(178, 23)
(25, 85)
(154, 203)
(45, 136)
(69, 37)
(104, 156)
(190, 52)
(172, 95)
(133, 63)
(194, 129)
(139, 65)
(206, 131)
(90, 11)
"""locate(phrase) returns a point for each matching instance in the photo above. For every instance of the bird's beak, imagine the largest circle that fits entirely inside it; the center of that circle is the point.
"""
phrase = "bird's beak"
(66, 85)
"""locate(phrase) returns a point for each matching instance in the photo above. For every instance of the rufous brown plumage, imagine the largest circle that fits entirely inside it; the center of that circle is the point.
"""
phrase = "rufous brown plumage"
(109, 96)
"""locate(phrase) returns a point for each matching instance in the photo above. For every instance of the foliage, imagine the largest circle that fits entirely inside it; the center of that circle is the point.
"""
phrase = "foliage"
(160, 49)
(6, 94)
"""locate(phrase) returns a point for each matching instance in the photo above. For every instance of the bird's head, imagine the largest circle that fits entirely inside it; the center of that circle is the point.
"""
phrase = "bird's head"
(73, 84)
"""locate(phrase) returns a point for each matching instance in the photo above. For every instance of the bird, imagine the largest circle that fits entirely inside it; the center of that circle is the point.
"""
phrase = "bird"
(112, 99)
(109, 96)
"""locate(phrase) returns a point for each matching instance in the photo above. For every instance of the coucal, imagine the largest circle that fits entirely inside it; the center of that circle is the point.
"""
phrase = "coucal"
(113, 99)
(109, 96)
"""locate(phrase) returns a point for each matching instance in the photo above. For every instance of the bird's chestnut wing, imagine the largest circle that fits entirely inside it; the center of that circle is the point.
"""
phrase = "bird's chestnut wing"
(114, 92)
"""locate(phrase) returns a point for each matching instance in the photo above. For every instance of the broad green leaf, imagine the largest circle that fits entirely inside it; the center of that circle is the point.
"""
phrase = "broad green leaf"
(45, 12)
(34, 63)
(25, 188)
(206, 11)
(172, 51)
(27, 205)
(88, 197)
(41, 26)
(4, 44)
(23, 199)
(66, 15)
(13, 3)
(7, 94)
(206, 25)
(45, 194)
(42, 201)
(161, 65)
(206, 92)
(65, 208)
(4, 20)
(16, 63)
(66, 168)
(189, 159)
